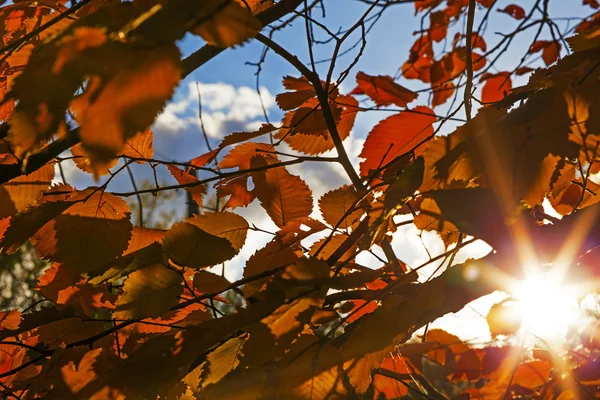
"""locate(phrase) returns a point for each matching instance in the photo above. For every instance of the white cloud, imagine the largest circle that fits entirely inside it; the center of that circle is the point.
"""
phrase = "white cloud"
(222, 106)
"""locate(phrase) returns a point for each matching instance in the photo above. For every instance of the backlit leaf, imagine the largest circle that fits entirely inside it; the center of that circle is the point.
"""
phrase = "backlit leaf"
(149, 292)
(285, 197)
(383, 90)
(340, 207)
(189, 245)
(395, 136)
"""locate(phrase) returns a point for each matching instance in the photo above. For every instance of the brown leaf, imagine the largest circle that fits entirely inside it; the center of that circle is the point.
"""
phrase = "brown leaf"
(88, 234)
(223, 224)
(149, 292)
(207, 282)
(237, 190)
(273, 255)
(189, 245)
(335, 204)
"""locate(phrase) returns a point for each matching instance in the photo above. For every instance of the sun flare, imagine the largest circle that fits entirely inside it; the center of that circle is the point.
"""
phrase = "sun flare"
(547, 306)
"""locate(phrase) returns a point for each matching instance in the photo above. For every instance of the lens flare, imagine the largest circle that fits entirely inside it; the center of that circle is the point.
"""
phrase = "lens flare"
(548, 307)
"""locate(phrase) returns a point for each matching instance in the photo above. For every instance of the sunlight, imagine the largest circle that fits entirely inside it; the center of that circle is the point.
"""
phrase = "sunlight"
(548, 306)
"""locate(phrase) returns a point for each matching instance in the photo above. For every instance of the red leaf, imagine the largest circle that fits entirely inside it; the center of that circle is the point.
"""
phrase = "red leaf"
(438, 26)
(551, 53)
(486, 3)
(395, 136)
(496, 86)
(383, 90)
(550, 50)
(514, 11)
(442, 93)
(591, 3)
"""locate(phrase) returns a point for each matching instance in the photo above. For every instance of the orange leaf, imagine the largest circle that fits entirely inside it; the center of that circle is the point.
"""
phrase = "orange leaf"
(290, 100)
(111, 112)
(185, 178)
(140, 146)
(237, 190)
(504, 318)
(395, 136)
(82, 161)
(311, 120)
(240, 155)
(361, 308)
(207, 282)
(19, 193)
(10, 319)
(496, 87)
(383, 90)
(285, 197)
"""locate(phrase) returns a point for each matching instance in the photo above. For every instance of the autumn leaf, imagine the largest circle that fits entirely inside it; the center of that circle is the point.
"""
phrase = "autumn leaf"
(317, 144)
(285, 197)
(149, 292)
(194, 188)
(10, 319)
(395, 136)
(225, 26)
(514, 11)
(237, 190)
(19, 193)
(504, 318)
(88, 234)
(340, 207)
(442, 93)
(207, 282)
(110, 113)
(496, 86)
(383, 90)
(550, 50)
(230, 226)
(205, 240)
(140, 147)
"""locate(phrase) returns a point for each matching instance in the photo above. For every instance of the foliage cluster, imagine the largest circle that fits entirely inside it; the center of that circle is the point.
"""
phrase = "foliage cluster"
(134, 311)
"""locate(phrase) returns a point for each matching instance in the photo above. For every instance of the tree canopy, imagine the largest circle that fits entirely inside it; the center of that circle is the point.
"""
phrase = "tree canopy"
(131, 310)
